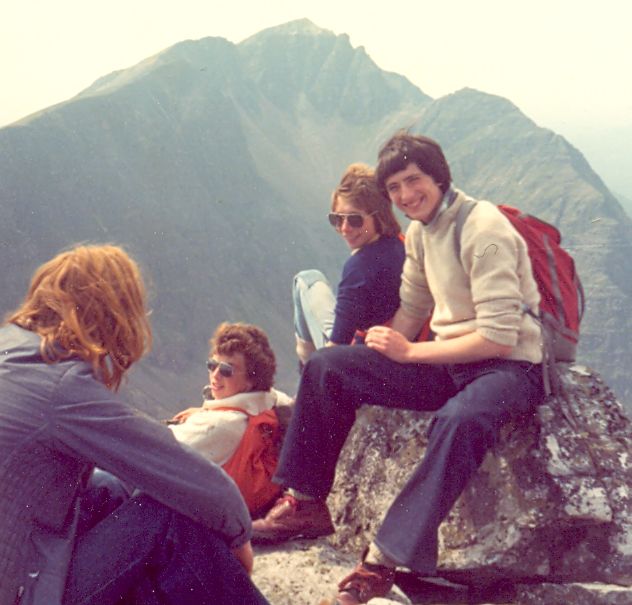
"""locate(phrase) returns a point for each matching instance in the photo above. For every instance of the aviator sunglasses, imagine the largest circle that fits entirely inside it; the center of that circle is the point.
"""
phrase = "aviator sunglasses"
(225, 369)
(354, 219)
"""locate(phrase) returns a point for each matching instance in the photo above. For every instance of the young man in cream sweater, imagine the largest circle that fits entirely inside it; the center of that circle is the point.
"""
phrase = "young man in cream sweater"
(482, 369)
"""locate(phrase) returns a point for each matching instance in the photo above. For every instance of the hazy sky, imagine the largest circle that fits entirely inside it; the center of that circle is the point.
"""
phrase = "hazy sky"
(566, 63)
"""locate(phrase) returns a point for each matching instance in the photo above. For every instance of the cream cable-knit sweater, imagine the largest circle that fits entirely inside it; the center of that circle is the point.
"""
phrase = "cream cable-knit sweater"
(484, 290)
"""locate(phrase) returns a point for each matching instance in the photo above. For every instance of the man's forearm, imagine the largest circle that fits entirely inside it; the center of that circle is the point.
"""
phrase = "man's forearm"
(407, 325)
(463, 349)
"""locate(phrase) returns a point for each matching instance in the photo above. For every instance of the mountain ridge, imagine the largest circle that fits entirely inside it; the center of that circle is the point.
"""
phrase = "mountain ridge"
(214, 165)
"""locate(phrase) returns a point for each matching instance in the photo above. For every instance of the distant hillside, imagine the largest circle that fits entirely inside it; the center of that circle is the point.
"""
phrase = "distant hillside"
(625, 202)
(214, 162)
(214, 170)
(609, 150)
(498, 153)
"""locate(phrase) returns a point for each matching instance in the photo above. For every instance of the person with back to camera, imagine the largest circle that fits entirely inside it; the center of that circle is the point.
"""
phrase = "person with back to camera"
(483, 368)
(241, 369)
(368, 292)
(184, 538)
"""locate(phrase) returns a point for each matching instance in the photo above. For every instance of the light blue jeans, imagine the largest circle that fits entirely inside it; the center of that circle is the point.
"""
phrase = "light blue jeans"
(314, 305)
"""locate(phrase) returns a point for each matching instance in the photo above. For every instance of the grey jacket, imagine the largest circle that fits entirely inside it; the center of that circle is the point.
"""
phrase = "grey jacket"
(56, 423)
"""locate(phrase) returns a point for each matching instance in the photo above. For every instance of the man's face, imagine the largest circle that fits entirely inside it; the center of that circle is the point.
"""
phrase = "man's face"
(414, 192)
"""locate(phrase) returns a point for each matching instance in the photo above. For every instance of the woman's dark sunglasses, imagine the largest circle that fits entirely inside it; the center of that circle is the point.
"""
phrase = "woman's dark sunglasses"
(225, 369)
(355, 219)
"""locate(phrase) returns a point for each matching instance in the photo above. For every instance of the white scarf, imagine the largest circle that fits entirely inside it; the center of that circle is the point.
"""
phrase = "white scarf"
(216, 433)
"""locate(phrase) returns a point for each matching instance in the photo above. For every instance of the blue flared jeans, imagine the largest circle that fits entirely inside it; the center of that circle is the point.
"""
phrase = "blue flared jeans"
(472, 401)
(144, 553)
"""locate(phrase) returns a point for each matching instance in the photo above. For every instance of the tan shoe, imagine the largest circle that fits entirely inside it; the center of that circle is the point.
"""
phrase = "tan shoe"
(364, 583)
(291, 518)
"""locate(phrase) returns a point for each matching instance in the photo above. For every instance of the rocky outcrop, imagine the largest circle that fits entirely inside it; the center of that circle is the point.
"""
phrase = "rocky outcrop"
(551, 505)
(306, 572)
(577, 594)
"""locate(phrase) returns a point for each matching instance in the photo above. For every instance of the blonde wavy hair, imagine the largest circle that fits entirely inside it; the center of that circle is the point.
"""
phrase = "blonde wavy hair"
(89, 302)
(359, 187)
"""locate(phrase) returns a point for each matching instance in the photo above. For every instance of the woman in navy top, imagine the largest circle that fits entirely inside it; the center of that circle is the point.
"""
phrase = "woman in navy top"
(368, 292)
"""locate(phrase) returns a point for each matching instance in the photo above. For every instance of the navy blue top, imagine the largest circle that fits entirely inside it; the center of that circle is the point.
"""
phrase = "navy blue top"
(368, 293)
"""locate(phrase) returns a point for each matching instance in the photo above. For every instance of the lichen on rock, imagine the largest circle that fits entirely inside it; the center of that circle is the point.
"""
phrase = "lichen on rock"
(551, 502)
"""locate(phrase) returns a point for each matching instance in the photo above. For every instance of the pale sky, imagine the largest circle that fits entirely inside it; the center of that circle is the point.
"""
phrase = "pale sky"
(566, 63)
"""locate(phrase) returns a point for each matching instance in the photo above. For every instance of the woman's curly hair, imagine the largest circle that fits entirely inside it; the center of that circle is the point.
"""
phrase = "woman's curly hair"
(252, 342)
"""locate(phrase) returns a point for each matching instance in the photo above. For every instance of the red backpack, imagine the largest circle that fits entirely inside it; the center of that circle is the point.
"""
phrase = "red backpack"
(255, 460)
(561, 292)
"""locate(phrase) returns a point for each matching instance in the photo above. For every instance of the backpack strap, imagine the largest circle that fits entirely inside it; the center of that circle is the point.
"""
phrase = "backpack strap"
(261, 421)
(261, 415)
(549, 374)
(461, 216)
(230, 409)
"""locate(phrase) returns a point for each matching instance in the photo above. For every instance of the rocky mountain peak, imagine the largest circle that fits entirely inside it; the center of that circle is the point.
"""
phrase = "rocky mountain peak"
(213, 54)
(211, 149)
(298, 27)
(298, 60)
